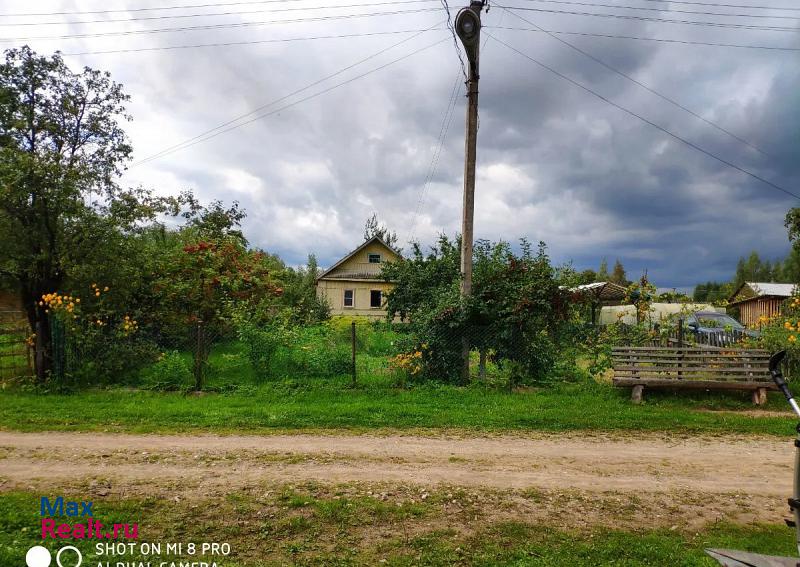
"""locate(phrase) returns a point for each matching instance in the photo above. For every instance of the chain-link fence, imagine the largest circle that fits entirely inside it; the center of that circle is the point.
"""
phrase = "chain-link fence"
(89, 354)
(203, 356)
(16, 357)
(500, 354)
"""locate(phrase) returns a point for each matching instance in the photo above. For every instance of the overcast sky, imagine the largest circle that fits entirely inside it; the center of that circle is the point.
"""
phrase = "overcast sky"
(555, 163)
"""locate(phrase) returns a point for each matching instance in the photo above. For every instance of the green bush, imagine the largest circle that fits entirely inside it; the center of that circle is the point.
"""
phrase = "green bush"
(376, 338)
(383, 338)
(519, 315)
(263, 344)
(782, 332)
(598, 342)
(281, 349)
(340, 328)
(171, 373)
(315, 351)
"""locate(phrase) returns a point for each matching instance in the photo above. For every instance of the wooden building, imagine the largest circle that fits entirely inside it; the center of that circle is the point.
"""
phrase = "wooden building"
(353, 285)
(756, 299)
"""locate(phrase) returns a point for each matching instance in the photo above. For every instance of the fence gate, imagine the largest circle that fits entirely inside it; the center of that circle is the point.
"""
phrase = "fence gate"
(16, 358)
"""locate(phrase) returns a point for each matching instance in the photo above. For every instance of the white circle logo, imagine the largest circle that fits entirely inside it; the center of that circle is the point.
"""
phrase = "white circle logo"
(37, 556)
(70, 548)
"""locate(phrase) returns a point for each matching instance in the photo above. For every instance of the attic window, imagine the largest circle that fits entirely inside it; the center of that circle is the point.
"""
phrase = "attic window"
(374, 258)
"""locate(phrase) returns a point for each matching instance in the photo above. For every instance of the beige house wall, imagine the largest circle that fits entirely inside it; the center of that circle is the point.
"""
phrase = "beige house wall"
(333, 290)
(358, 274)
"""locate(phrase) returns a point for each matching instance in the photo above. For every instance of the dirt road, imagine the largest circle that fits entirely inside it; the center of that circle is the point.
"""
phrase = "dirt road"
(570, 480)
(640, 464)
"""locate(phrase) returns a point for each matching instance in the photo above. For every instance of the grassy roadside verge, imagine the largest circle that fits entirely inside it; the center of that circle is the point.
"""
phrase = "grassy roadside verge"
(331, 404)
(302, 526)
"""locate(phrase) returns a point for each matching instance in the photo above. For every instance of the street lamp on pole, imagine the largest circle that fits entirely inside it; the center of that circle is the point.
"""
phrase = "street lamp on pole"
(468, 29)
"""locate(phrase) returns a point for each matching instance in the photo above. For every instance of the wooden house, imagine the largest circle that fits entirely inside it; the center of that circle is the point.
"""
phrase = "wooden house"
(353, 285)
(755, 299)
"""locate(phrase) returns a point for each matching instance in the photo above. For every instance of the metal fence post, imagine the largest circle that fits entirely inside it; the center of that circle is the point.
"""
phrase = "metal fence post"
(353, 341)
(198, 358)
(680, 346)
(39, 354)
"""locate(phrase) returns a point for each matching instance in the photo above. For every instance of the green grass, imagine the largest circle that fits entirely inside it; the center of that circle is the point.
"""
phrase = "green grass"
(252, 406)
(375, 404)
(305, 529)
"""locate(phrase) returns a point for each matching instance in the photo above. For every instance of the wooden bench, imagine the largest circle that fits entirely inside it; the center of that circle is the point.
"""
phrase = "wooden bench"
(692, 368)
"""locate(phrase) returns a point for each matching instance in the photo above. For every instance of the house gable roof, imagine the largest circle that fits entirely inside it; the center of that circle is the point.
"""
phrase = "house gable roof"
(374, 239)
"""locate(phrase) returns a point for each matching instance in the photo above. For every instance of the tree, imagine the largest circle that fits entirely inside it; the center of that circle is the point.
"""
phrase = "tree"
(61, 148)
(754, 269)
(790, 268)
(602, 272)
(422, 277)
(215, 220)
(618, 274)
(712, 292)
(792, 224)
(204, 280)
(517, 313)
(300, 294)
(373, 228)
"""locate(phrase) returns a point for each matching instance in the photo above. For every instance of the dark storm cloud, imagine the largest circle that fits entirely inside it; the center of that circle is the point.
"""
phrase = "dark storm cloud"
(555, 163)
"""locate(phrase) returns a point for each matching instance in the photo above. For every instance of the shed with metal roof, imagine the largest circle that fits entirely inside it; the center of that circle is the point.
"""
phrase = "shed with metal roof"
(759, 299)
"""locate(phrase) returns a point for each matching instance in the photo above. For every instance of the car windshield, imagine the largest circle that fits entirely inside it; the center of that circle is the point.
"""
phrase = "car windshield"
(717, 320)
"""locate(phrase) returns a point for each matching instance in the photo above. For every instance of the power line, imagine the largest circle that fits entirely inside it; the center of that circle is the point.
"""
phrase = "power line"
(645, 120)
(447, 119)
(717, 5)
(256, 41)
(215, 14)
(221, 26)
(621, 6)
(221, 128)
(664, 40)
(455, 40)
(315, 95)
(392, 32)
(150, 9)
(660, 20)
(639, 83)
(251, 2)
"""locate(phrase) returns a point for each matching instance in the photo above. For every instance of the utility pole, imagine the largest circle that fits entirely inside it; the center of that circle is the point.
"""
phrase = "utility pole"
(468, 28)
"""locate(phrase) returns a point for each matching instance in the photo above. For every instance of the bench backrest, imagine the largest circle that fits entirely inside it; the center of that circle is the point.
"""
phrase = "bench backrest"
(691, 363)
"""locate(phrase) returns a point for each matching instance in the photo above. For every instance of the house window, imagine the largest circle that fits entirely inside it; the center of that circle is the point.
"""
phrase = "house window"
(374, 258)
(349, 298)
(375, 297)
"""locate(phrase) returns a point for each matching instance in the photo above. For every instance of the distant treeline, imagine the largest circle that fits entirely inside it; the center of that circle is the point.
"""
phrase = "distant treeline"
(752, 269)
